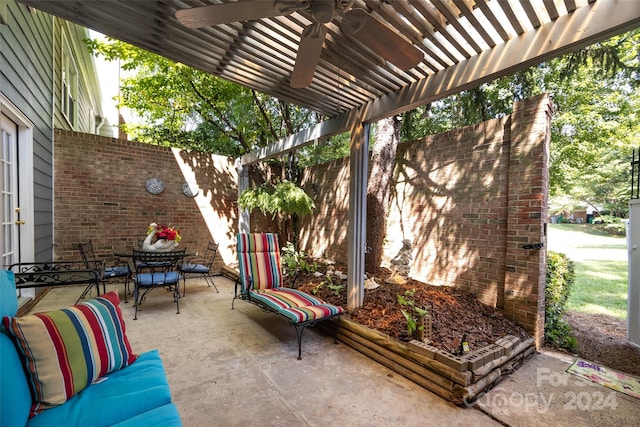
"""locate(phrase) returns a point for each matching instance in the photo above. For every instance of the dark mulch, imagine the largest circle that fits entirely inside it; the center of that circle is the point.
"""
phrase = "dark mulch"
(600, 338)
(454, 312)
(603, 339)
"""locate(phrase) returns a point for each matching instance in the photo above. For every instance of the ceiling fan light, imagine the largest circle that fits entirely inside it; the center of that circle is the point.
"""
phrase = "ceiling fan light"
(360, 25)
(322, 11)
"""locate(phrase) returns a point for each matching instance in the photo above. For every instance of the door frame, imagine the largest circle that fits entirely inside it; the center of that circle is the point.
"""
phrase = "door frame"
(25, 177)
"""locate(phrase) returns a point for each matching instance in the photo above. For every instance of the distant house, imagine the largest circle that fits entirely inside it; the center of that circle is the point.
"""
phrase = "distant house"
(47, 80)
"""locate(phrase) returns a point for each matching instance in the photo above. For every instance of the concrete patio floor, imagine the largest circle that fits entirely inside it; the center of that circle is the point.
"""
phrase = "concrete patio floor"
(239, 367)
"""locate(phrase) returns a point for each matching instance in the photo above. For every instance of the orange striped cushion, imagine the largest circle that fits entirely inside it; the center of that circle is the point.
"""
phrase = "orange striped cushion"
(66, 350)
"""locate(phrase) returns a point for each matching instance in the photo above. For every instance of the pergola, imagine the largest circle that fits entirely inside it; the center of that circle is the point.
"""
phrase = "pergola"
(465, 43)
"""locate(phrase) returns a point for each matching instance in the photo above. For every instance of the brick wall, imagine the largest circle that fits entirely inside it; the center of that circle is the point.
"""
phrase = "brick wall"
(469, 200)
(100, 194)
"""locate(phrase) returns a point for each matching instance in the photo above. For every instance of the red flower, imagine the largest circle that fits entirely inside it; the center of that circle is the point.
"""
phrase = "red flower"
(167, 233)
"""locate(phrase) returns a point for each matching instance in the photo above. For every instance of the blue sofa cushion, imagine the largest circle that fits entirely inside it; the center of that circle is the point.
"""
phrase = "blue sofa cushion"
(68, 349)
(164, 416)
(8, 299)
(121, 395)
(15, 396)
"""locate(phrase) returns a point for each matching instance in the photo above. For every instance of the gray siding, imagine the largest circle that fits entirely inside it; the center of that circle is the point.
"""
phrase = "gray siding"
(30, 78)
(26, 52)
(88, 96)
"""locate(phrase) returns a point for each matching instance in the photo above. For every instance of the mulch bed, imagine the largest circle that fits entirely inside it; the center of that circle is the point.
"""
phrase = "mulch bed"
(454, 312)
(603, 339)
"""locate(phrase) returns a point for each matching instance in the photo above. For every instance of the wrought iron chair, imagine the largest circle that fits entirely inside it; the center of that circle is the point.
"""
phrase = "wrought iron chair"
(202, 266)
(156, 270)
(261, 283)
(119, 270)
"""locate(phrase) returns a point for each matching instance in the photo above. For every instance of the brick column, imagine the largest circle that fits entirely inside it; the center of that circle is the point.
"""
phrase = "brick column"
(525, 274)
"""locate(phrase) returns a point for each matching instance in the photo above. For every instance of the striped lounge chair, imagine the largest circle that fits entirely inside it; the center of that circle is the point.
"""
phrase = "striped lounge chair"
(261, 283)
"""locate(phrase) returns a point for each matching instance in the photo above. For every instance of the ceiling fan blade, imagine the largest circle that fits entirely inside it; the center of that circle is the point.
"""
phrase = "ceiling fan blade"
(225, 13)
(360, 25)
(308, 56)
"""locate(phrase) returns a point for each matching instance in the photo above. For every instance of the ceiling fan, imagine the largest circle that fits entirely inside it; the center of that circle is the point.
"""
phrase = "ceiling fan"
(354, 22)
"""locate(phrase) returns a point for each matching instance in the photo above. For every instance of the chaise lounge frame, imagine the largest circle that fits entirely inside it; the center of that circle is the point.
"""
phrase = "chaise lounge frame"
(260, 283)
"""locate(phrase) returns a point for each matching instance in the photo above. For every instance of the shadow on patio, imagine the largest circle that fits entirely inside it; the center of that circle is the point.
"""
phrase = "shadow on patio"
(238, 367)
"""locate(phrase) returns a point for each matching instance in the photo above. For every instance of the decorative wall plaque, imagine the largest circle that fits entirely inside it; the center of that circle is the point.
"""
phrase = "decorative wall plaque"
(154, 186)
(190, 189)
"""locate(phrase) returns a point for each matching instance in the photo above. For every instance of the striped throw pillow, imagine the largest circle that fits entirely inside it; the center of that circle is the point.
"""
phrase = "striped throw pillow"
(66, 350)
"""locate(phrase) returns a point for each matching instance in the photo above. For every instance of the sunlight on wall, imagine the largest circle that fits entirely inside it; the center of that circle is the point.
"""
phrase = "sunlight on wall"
(217, 224)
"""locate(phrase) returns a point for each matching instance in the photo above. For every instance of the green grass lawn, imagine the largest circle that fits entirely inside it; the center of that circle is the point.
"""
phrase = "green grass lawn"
(601, 266)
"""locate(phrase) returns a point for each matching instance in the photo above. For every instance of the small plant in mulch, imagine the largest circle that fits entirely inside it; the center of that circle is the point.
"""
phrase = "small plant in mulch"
(329, 284)
(295, 263)
(412, 313)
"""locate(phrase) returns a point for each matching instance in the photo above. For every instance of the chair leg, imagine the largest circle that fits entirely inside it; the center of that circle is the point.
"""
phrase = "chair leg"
(299, 331)
(209, 279)
(136, 294)
(176, 295)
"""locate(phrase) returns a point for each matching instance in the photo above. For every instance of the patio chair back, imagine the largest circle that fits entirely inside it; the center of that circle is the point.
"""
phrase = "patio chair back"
(115, 271)
(157, 270)
(258, 261)
(86, 252)
(201, 266)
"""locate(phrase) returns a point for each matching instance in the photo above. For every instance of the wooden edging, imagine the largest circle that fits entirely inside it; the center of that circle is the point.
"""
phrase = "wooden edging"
(457, 379)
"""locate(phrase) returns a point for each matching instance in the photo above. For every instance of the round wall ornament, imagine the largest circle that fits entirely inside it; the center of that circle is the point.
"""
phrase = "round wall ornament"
(190, 189)
(154, 186)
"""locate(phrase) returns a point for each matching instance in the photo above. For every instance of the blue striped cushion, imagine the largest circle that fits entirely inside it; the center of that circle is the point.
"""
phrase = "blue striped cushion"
(116, 271)
(194, 268)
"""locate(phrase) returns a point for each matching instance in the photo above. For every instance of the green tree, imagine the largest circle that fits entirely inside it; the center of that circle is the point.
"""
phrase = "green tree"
(283, 201)
(183, 107)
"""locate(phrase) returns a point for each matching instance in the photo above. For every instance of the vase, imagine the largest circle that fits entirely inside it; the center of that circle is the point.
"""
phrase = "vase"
(161, 245)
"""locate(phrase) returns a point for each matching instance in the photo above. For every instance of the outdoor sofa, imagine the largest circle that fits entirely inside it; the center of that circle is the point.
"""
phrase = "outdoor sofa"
(80, 370)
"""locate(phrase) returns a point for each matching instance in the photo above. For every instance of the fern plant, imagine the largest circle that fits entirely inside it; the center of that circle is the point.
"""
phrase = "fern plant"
(285, 198)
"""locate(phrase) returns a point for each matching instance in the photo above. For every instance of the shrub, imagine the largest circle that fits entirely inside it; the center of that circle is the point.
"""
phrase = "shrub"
(295, 262)
(560, 280)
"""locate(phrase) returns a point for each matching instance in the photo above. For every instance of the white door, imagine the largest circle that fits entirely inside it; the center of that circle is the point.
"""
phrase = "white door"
(10, 212)
(16, 184)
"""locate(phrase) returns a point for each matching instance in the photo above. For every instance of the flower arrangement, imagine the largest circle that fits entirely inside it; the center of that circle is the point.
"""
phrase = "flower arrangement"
(165, 232)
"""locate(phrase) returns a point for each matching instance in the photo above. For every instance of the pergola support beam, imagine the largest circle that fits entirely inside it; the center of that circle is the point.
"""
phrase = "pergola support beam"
(356, 233)
(244, 225)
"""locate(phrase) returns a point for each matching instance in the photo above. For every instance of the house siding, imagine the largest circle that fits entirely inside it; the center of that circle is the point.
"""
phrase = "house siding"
(88, 100)
(30, 79)
(26, 57)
